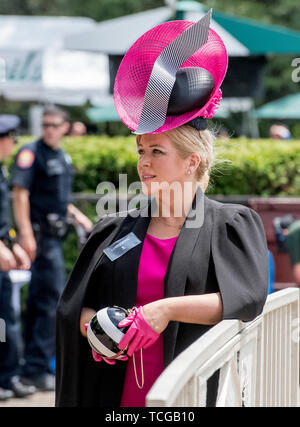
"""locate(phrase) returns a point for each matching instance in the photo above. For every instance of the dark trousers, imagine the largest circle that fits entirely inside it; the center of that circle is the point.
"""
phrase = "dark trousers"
(9, 349)
(46, 286)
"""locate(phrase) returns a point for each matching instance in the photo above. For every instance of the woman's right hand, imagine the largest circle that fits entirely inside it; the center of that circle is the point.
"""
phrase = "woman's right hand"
(86, 315)
(98, 358)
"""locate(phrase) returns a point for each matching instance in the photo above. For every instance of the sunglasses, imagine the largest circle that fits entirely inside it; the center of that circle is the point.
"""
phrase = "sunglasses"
(53, 125)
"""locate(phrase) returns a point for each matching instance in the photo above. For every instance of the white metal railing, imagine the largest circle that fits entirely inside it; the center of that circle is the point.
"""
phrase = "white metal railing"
(258, 361)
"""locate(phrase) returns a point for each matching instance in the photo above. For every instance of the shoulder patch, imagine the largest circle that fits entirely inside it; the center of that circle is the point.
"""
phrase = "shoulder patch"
(25, 159)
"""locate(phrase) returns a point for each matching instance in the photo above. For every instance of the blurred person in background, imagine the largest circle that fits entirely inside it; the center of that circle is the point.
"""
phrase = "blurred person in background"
(42, 187)
(12, 257)
(78, 129)
(223, 134)
(287, 233)
(280, 131)
(292, 242)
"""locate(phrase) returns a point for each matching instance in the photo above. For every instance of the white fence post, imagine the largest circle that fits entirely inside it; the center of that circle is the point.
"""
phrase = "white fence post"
(258, 361)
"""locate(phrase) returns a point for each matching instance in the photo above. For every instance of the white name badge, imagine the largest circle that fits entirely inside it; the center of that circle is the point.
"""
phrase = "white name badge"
(121, 246)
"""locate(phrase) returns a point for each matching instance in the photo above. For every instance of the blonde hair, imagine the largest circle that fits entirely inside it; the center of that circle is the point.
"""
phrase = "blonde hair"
(188, 140)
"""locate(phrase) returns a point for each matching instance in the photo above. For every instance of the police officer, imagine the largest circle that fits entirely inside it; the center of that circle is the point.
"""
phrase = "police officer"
(12, 256)
(42, 187)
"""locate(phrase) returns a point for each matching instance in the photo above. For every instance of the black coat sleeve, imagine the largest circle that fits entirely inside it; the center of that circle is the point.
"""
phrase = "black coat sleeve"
(71, 347)
(240, 258)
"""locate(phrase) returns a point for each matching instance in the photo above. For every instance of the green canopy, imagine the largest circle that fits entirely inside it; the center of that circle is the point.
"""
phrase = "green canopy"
(260, 38)
(105, 113)
(287, 107)
(108, 113)
(242, 36)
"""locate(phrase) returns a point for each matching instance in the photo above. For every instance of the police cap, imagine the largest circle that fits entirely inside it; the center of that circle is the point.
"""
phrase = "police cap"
(8, 123)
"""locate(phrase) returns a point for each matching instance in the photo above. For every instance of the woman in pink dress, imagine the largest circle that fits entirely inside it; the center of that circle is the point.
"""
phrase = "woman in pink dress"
(196, 262)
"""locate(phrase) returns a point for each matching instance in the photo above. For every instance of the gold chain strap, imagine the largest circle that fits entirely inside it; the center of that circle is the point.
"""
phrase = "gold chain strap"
(142, 370)
(129, 311)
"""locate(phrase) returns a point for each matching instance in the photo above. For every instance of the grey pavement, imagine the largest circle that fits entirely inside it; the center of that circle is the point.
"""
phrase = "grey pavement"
(39, 399)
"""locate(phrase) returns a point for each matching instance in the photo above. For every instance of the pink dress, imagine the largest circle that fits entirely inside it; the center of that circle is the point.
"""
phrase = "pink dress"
(152, 270)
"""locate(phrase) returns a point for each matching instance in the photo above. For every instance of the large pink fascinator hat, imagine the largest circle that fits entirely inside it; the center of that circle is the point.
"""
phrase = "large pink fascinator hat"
(171, 76)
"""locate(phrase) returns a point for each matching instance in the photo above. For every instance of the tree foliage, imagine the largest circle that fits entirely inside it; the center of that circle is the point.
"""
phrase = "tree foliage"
(97, 9)
(277, 12)
(286, 13)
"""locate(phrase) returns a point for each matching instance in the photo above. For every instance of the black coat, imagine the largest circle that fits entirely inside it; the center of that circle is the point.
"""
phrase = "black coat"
(228, 253)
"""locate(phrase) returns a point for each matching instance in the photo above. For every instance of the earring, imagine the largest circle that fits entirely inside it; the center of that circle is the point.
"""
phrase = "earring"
(189, 172)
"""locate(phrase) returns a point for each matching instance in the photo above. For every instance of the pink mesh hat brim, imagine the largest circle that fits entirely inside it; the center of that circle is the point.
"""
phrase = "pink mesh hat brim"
(137, 65)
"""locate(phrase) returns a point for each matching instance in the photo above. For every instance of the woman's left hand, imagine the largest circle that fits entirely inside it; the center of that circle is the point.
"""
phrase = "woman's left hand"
(146, 323)
(156, 315)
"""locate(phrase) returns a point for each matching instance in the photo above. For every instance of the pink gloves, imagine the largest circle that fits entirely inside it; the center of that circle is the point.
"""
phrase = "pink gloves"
(98, 358)
(139, 335)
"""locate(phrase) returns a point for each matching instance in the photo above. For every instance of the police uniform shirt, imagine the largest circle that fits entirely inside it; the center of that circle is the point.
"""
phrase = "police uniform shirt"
(4, 204)
(48, 176)
(8, 123)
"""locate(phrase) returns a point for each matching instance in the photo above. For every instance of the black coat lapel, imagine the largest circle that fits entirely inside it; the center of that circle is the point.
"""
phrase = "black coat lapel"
(175, 281)
(178, 267)
(125, 276)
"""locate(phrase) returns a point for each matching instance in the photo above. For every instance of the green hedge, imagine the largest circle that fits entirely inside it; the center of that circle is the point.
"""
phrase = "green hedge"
(247, 167)
(254, 167)
(99, 159)
(257, 167)
(242, 167)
